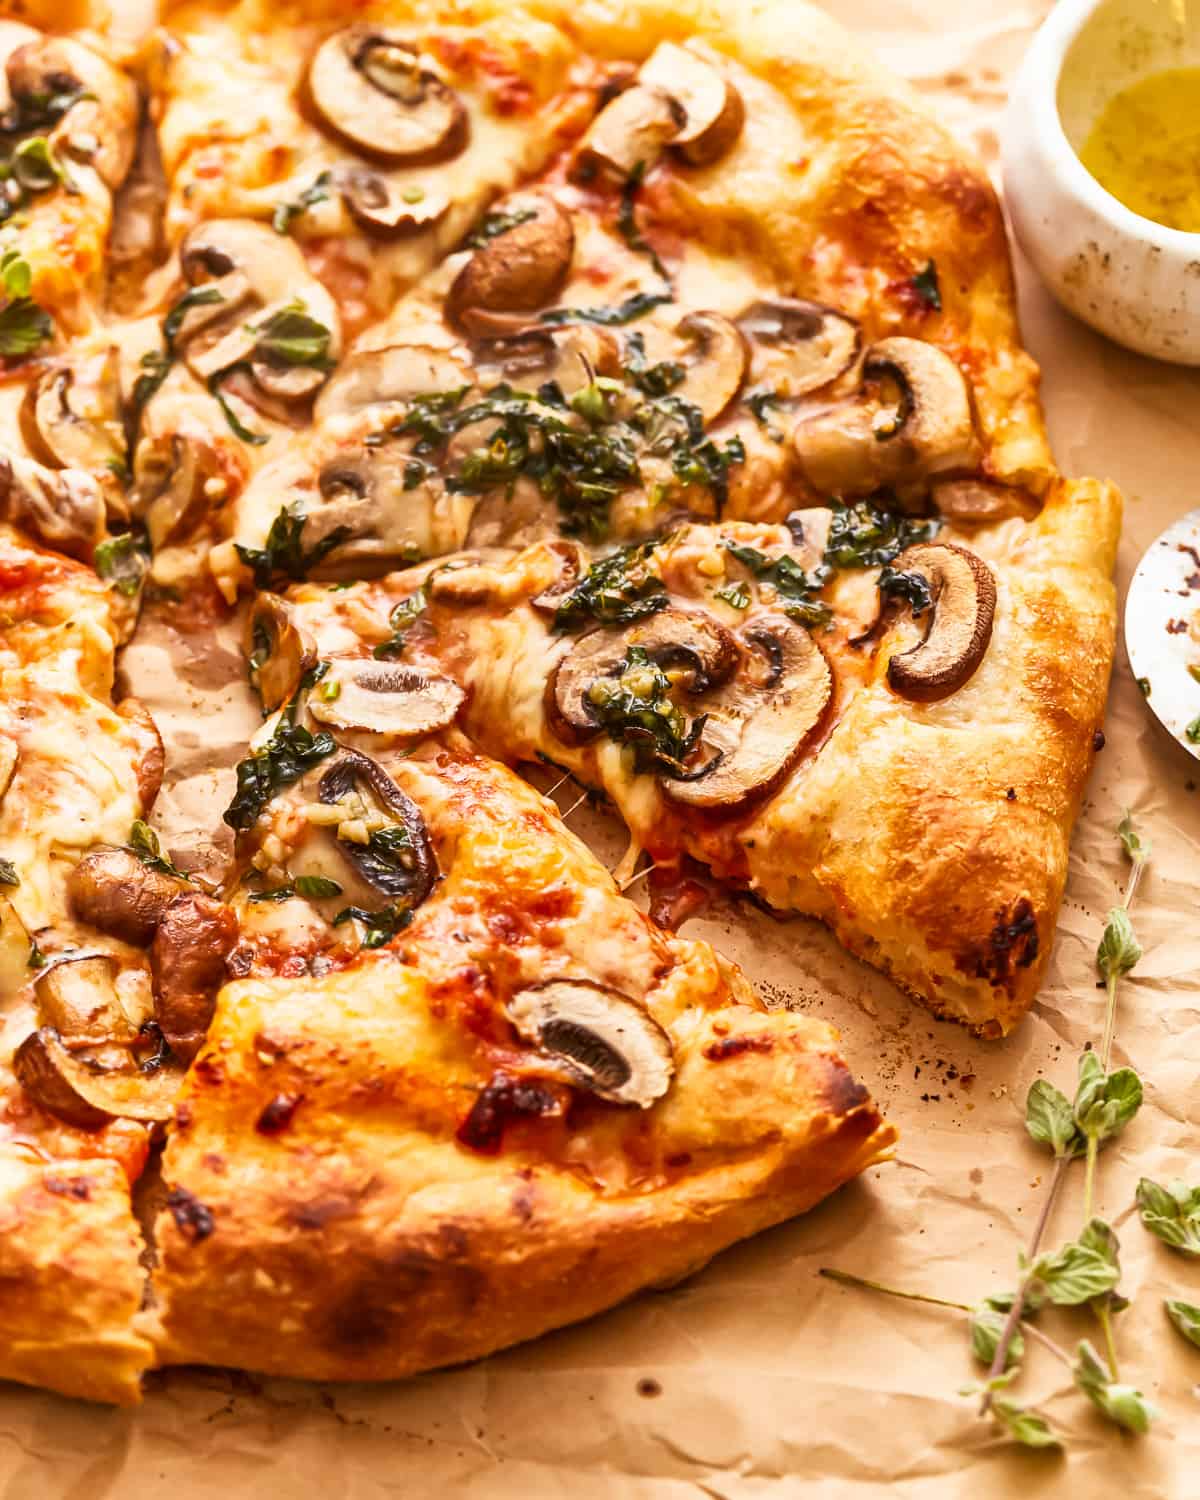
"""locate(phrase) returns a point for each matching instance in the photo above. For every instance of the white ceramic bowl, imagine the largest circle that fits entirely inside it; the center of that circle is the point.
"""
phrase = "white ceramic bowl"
(1127, 276)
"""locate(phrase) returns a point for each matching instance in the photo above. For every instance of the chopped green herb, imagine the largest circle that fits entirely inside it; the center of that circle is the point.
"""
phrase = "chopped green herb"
(123, 561)
(657, 379)
(280, 893)
(1193, 729)
(236, 425)
(911, 588)
(1144, 686)
(613, 316)
(494, 223)
(735, 594)
(616, 590)
(37, 958)
(402, 619)
(635, 708)
(379, 927)
(865, 536)
(286, 214)
(23, 324)
(143, 841)
(283, 553)
(925, 284)
(156, 366)
(36, 166)
(317, 887)
(196, 296)
(291, 336)
(627, 225)
(797, 589)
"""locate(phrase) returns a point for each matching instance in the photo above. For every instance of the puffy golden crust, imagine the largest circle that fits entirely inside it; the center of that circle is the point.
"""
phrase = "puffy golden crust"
(70, 1279)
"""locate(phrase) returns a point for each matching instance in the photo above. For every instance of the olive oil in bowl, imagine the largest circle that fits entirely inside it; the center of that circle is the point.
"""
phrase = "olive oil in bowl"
(1145, 148)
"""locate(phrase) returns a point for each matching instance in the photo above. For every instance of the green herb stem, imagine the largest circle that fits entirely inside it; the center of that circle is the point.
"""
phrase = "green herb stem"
(848, 1279)
(1104, 1313)
(1089, 1176)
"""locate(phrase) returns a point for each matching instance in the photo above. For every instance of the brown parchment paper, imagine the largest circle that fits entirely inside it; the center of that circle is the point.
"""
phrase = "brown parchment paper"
(756, 1377)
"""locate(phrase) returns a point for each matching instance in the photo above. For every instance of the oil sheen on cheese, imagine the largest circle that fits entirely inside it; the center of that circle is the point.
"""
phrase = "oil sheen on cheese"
(1145, 148)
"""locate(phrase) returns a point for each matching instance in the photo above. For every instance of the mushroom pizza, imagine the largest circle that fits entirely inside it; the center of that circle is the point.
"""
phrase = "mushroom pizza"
(632, 390)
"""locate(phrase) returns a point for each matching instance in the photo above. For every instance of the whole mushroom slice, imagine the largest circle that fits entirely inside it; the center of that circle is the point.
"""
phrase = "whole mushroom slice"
(634, 128)
(77, 995)
(799, 346)
(518, 269)
(378, 853)
(278, 651)
(760, 718)
(387, 209)
(62, 508)
(71, 416)
(372, 87)
(911, 423)
(100, 128)
(716, 367)
(82, 1094)
(169, 478)
(369, 516)
(114, 891)
(570, 358)
(601, 1039)
(962, 594)
(712, 108)
(396, 375)
(701, 651)
(386, 698)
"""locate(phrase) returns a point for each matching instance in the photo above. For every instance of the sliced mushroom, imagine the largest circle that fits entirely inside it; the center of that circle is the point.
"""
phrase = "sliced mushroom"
(63, 508)
(634, 128)
(397, 375)
(716, 368)
(170, 474)
(713, 112)
(187, 959)
(570, 358)
(369, 519)
(80, 433)
(701, 652)
(373, 88)
(151, 757)
(518, 269)
(601, 1039)
(115, 892)
(386, 698)
(137, 239)
(911, 423)
(979, 502)
(100, 128)
(278, 650)
(573, 563)
(963, 608)
(394, 865)
(799, 346)
(77, 996)
(386, 208)
(759, 720)
(84, 1095)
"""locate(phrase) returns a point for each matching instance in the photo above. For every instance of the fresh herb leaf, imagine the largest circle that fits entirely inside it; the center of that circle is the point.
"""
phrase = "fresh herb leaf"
(8, 873)
(23, 324)
(123, 561)
(196, 296)
(143, 841)
(627, 225)
(1119, 949)
(911, 588)
(291, 336)
(291, 751)
(287, 213)
(317, 887)
(735, 594)
(1120, 1403)
(1137, 848)
(1172, 1213)
(797, 589)
(707, 463)
(379, 927)
(635, 708)
(156, 366)
(617, 590)
(280, 893)
(284, 553)
(628, 311)
(1105, 1102)
(1024, 1425)
(1186, 1318)
(865, 536)
(987, 1324)
(495, 223)
(37, 958)
(1193, 729)
(35, 166)
(655, 380)
(925, 284)
(236, 425)
(1050, 1119)
(402, 619)
(1075, 1273)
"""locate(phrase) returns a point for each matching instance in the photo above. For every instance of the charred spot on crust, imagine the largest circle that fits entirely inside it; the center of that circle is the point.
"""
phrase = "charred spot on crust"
(277, 1114)
(726, 1047)
(843, 1093)
(501, 1102)
(1013, 943)
(68, 1187)
(194, 1219)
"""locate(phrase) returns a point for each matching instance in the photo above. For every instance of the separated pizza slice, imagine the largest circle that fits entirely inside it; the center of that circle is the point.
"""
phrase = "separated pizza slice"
(465, 1092)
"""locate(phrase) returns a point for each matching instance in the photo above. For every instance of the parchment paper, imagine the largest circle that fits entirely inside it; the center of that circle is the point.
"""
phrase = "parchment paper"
(756, 1376)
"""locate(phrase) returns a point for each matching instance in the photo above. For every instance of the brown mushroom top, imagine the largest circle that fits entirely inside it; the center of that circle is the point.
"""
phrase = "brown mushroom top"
(520, 265)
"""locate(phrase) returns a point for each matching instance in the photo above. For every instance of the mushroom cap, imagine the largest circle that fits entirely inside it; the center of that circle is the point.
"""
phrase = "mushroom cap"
(394, 375)
(385, 209)
(799, 346)
(370, 86)
(712, 108)
(760, 718)
(634, 127)
(114, 891)
(702, 651)
(62, 508)
(80, 1094)
(714, 371)
(963, 593)
(278, 651)
(101, 126)
(386, 698)
(519, 269)
(926, 429)
(602, 1040)
(63, 437)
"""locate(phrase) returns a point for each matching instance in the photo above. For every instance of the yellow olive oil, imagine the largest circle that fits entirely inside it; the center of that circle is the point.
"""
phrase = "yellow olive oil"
(1145, 148)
